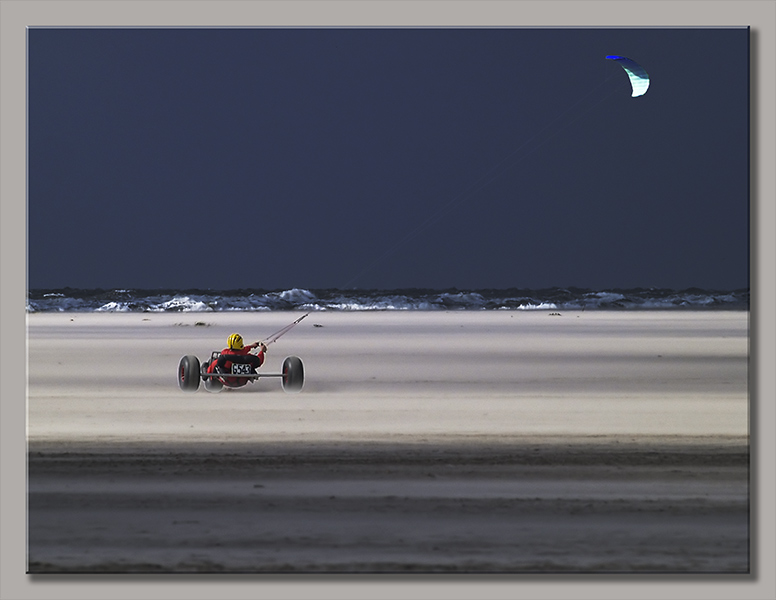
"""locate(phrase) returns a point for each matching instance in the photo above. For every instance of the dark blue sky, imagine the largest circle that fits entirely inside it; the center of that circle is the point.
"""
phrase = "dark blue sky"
(317, 158)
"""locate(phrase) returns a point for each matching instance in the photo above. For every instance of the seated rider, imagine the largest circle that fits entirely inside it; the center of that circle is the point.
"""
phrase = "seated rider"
(237, 352)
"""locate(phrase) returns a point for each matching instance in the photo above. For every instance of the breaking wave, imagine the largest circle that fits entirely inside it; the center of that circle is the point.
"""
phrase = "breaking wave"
(124, 300)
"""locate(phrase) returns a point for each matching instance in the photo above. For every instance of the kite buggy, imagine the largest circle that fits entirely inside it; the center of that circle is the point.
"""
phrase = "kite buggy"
(235, 366)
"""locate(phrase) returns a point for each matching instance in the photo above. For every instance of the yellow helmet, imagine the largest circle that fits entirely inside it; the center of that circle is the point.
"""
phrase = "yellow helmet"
(235, 342)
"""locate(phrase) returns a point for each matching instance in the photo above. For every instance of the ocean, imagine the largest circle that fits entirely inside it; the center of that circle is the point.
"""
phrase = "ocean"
(552, 299)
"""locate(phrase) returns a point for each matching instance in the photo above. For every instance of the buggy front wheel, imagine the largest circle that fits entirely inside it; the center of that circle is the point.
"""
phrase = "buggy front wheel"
(212, 384)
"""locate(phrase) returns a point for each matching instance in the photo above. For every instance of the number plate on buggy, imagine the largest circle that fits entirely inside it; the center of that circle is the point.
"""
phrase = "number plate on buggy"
(241, 369)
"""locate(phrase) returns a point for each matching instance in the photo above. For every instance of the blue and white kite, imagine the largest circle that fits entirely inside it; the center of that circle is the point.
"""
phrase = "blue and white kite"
(638, 76)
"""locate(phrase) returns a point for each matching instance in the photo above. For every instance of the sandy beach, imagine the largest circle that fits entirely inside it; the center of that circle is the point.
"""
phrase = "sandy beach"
(461, 441)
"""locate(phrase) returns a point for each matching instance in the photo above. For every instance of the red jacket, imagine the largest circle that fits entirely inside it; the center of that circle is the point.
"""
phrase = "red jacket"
(242, 352)
(228, 364)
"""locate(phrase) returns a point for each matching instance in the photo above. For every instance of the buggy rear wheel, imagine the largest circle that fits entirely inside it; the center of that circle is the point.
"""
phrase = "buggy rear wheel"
(293, 374)
(188, 373)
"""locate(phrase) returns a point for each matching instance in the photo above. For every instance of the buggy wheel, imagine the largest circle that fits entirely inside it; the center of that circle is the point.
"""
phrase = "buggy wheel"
(188, 373)
(211, 383)
(293, 374)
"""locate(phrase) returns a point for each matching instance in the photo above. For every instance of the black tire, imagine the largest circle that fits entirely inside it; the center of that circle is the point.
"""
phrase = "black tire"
(211, 384)
(293, 374)
(188, 373)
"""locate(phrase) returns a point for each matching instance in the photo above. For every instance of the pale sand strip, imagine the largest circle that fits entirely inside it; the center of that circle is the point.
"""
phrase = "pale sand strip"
(379, 376)
(478, 442)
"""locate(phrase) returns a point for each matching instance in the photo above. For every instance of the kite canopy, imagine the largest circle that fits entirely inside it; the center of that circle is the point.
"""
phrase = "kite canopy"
(636, 73)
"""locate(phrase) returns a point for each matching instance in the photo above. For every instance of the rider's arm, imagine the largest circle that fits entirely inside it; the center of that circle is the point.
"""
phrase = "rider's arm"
(260, 345)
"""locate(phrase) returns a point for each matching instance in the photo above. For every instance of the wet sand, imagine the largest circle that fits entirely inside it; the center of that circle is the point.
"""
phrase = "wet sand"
(477, 442)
